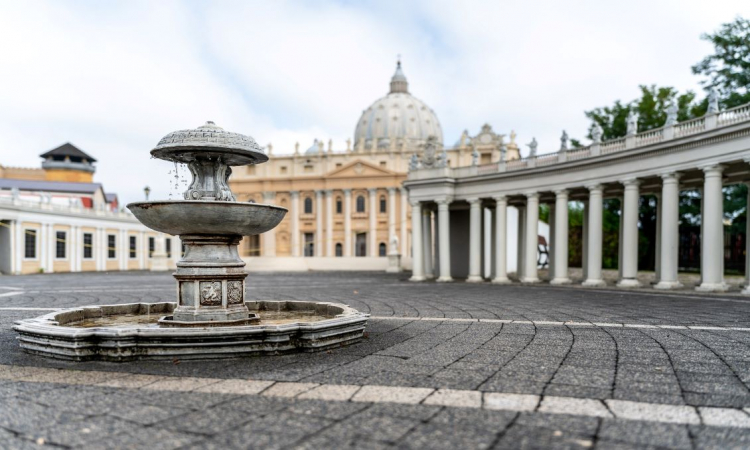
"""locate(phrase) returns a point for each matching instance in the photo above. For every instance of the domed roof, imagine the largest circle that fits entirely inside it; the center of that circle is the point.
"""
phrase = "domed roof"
(314, 149)
(398, 115)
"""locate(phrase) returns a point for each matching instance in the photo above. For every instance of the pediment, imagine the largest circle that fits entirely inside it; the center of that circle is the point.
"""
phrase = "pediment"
(359, 169)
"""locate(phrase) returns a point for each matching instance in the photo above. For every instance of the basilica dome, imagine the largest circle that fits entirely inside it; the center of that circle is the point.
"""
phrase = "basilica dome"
(398, 118)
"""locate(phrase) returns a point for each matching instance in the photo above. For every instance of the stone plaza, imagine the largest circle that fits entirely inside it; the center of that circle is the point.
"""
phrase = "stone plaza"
(455, 365)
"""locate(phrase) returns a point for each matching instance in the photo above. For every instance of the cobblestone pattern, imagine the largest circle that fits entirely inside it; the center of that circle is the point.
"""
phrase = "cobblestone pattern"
(701, 368)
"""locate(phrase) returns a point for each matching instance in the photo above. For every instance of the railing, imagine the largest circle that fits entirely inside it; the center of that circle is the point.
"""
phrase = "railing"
(734, 115)
(546, 160)
(579, 153)
(516, 164)
(40, 206)
(487, 168)
(689, 127)
(649, 137)
(613, 145)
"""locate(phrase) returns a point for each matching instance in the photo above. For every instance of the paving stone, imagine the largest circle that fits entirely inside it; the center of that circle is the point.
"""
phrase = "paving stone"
(510, 402)
(578, 406)
(662, 435)
(724, 417)
(338, 392)
(379, 394)
(653, 413)
(288, 389)
(455, 398)
(238, 387)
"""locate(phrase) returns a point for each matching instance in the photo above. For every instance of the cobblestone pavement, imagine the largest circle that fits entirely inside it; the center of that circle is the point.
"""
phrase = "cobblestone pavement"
(442, 366)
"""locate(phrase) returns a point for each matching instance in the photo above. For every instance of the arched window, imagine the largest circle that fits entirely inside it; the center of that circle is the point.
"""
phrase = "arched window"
(383, 204)
(339, 250)
(360, 204)
(381, 249)
(308, 205)
(339, 205)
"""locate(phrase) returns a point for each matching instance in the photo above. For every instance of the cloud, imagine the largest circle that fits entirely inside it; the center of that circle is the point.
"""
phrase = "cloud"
(113, 77)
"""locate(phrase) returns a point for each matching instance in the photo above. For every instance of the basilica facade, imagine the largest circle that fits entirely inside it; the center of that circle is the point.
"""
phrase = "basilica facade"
(351, 202)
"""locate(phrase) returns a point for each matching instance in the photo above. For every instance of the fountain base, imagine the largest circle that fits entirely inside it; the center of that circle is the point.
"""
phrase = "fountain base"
(136, 331)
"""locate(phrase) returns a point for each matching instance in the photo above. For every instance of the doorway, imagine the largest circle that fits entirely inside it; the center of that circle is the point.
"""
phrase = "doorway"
(360, 244)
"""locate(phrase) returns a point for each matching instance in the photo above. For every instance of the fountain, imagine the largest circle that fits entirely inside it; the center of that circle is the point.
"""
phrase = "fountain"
(211, 317)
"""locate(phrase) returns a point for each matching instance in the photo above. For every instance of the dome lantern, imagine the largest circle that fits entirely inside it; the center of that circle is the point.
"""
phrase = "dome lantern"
(398, 81)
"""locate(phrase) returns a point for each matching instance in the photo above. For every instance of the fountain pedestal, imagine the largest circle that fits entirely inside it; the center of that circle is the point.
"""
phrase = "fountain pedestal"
(210, 282)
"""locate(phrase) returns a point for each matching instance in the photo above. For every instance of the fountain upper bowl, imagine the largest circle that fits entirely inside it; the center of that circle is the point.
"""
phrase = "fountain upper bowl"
(183, 217)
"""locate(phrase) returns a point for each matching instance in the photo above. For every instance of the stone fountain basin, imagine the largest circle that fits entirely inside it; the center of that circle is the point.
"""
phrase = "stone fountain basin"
(133, 334)
(181, 217)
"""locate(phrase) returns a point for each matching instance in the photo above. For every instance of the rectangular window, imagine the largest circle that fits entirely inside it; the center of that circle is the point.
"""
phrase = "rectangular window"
(168, 242)
(29, 250)
(151, 246)
(383, 164)
(111, 246)
(282, 169)
(88, 245)
(61, 244)
(133, 247)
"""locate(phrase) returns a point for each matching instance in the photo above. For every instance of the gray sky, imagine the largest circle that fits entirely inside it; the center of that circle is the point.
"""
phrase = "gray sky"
(114, 77)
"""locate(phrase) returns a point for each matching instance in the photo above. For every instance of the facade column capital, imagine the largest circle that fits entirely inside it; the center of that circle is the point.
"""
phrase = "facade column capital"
(594, 187)
(294, 193)
(347, 191)
(372, 191)
(531, 194)
(500, 199)
(391, 191)
(444, 202)
(329, 192)
(713, 170)
(414, 202)
(670, 176)
(561, 192)
(630, 182)
(474, 201)
(318, 191)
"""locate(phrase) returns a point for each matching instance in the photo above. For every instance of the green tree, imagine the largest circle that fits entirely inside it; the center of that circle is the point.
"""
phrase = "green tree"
(728, 69)
(651, 108)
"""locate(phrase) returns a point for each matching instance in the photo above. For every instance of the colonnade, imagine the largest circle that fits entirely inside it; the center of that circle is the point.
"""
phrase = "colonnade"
(325, 212)
(592, 195)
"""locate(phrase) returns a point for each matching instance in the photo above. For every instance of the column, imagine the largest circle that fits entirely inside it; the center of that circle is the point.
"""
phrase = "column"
(13, 249)
(347, 222)
(42, 250)
(329, 223)
(551, 220)
(501, 248)
(427, 245)
(417, 273)
(318, 222)
(391, 215)
(404, 223)
(373, 233)
(20, 247)
(561, 238)
(619, 238)
(444, 232)
(121, 249)
(531, 244)
(629, 251)
(520, 242)
(475, 241)
(712, 239)
(585, 241)
(269, 237)
(658, 236)
(594, 241)
(746, 290)
(670, 231)
(295, 223)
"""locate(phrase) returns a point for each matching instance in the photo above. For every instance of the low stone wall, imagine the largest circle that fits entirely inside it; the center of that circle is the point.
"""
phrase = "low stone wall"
(319, 263)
